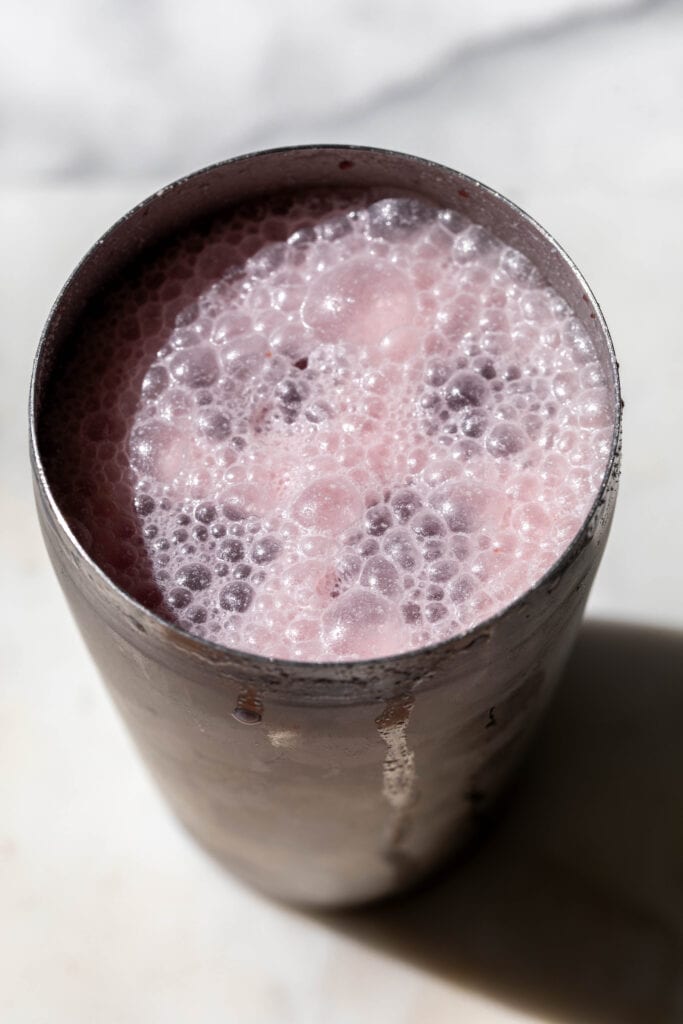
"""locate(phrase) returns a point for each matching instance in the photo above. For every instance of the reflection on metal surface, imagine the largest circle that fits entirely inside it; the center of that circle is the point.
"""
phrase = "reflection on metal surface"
(283, 739)
(399, 777)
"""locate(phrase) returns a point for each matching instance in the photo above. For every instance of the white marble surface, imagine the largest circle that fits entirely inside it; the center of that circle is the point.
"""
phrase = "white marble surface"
(573, 908)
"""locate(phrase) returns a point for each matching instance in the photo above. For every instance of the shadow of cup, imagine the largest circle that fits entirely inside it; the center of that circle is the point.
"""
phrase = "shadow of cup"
(573, 905)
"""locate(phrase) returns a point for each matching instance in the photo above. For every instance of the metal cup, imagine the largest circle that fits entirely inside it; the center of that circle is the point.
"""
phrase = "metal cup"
(326, 784)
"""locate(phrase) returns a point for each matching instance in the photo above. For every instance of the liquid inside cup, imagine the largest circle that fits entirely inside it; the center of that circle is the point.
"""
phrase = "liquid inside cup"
(334, 425)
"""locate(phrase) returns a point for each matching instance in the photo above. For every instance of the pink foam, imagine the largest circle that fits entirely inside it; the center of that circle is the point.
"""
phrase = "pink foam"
(362, 437)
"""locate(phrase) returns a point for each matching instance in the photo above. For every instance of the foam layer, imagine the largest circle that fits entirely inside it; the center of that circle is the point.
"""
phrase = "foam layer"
(330, 427)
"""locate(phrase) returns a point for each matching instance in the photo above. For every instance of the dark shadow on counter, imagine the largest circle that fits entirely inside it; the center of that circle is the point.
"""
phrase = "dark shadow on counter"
(572, 906)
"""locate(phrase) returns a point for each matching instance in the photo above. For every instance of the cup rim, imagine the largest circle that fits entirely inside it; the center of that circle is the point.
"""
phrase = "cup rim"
(213, 651)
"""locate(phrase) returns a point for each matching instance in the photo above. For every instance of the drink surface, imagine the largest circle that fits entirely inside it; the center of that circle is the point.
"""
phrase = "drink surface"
(332, 426)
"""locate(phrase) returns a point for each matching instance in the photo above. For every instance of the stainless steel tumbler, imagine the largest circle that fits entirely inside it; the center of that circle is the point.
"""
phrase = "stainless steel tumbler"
(326, 784)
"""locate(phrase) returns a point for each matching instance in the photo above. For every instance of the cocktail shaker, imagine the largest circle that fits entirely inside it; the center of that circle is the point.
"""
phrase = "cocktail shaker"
(326, 784)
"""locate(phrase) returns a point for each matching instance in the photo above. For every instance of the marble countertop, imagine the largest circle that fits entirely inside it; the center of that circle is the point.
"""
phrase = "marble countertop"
(572, 908)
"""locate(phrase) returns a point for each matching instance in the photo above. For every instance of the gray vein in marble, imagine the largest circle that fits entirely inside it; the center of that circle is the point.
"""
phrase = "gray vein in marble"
(457, 61)
(151, 89)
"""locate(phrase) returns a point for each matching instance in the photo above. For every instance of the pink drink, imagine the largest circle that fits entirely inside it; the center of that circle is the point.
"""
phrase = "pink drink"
(333, 427)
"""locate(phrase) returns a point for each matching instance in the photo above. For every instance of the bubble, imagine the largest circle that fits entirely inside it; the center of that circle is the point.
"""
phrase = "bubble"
(144, 504)
(485, 367)
(334, 228)
(473, 242)
(426, 525)
(148, 443)
(329, 505)
(289, 393)
(205, 513)
(405, 503)
(435, 611)
(187, 336)
(265, 550)
(242, 355)
(530, 520)
(368, 546)
(592, 376)
(399, 344)
(378, 519)
(179, 597)
(520, 269)
(242, 571)
(380, 575)
(432, 550)
(187, 315)
(347, 567)
(576, 339)
(505, 439)
(431, 402)
(462, 589)
(359, 301)
(197, 615)
(565, 386)
(593, 409)
(443, 570)
(398, 546)
(412, 612)
(196, 368)
(453, 220)
(533, 424)
(215, 425)
(304, 236)
(155, 381)
(361, 624)
(464, 390)
(437, 373)
(232, 550)
(394, 218)
(462, 505)
(194, 576)
(236, 596)
(234, 510)
(474, 424)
